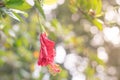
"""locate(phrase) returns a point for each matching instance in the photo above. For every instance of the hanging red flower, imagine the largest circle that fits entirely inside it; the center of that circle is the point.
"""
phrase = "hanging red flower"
(47, 53)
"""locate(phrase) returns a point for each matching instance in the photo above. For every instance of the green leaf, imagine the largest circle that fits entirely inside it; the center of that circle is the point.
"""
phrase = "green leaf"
(73, 8)
(2, 52)
(96, 5)
(12, 14)
(89, 71)
(99, 7)
(39, 7)
(18, 4)
(98, 23)
(20, 12)
(84, 5)
(95, 58)
(20, 19)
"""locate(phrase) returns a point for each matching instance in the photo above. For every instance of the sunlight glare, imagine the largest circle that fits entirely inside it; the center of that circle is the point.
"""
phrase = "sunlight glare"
(112, 35)
(101, 53)
(31, 2)
(79, 76)
(60, 54)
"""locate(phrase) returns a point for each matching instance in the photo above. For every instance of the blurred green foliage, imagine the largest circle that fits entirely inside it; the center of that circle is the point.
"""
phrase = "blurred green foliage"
(19, 36)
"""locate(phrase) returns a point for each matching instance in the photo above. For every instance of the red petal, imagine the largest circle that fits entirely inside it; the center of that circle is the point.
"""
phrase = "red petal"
(47, 51)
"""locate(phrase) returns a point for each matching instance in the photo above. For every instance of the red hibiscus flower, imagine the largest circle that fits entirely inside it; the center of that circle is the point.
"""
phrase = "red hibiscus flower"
(47, 53)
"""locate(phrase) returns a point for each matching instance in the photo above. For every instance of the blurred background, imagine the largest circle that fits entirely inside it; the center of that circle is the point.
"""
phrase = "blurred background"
(86, 33)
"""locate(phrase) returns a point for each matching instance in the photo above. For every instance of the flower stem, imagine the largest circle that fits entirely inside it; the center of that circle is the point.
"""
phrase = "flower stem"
(42, 29)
